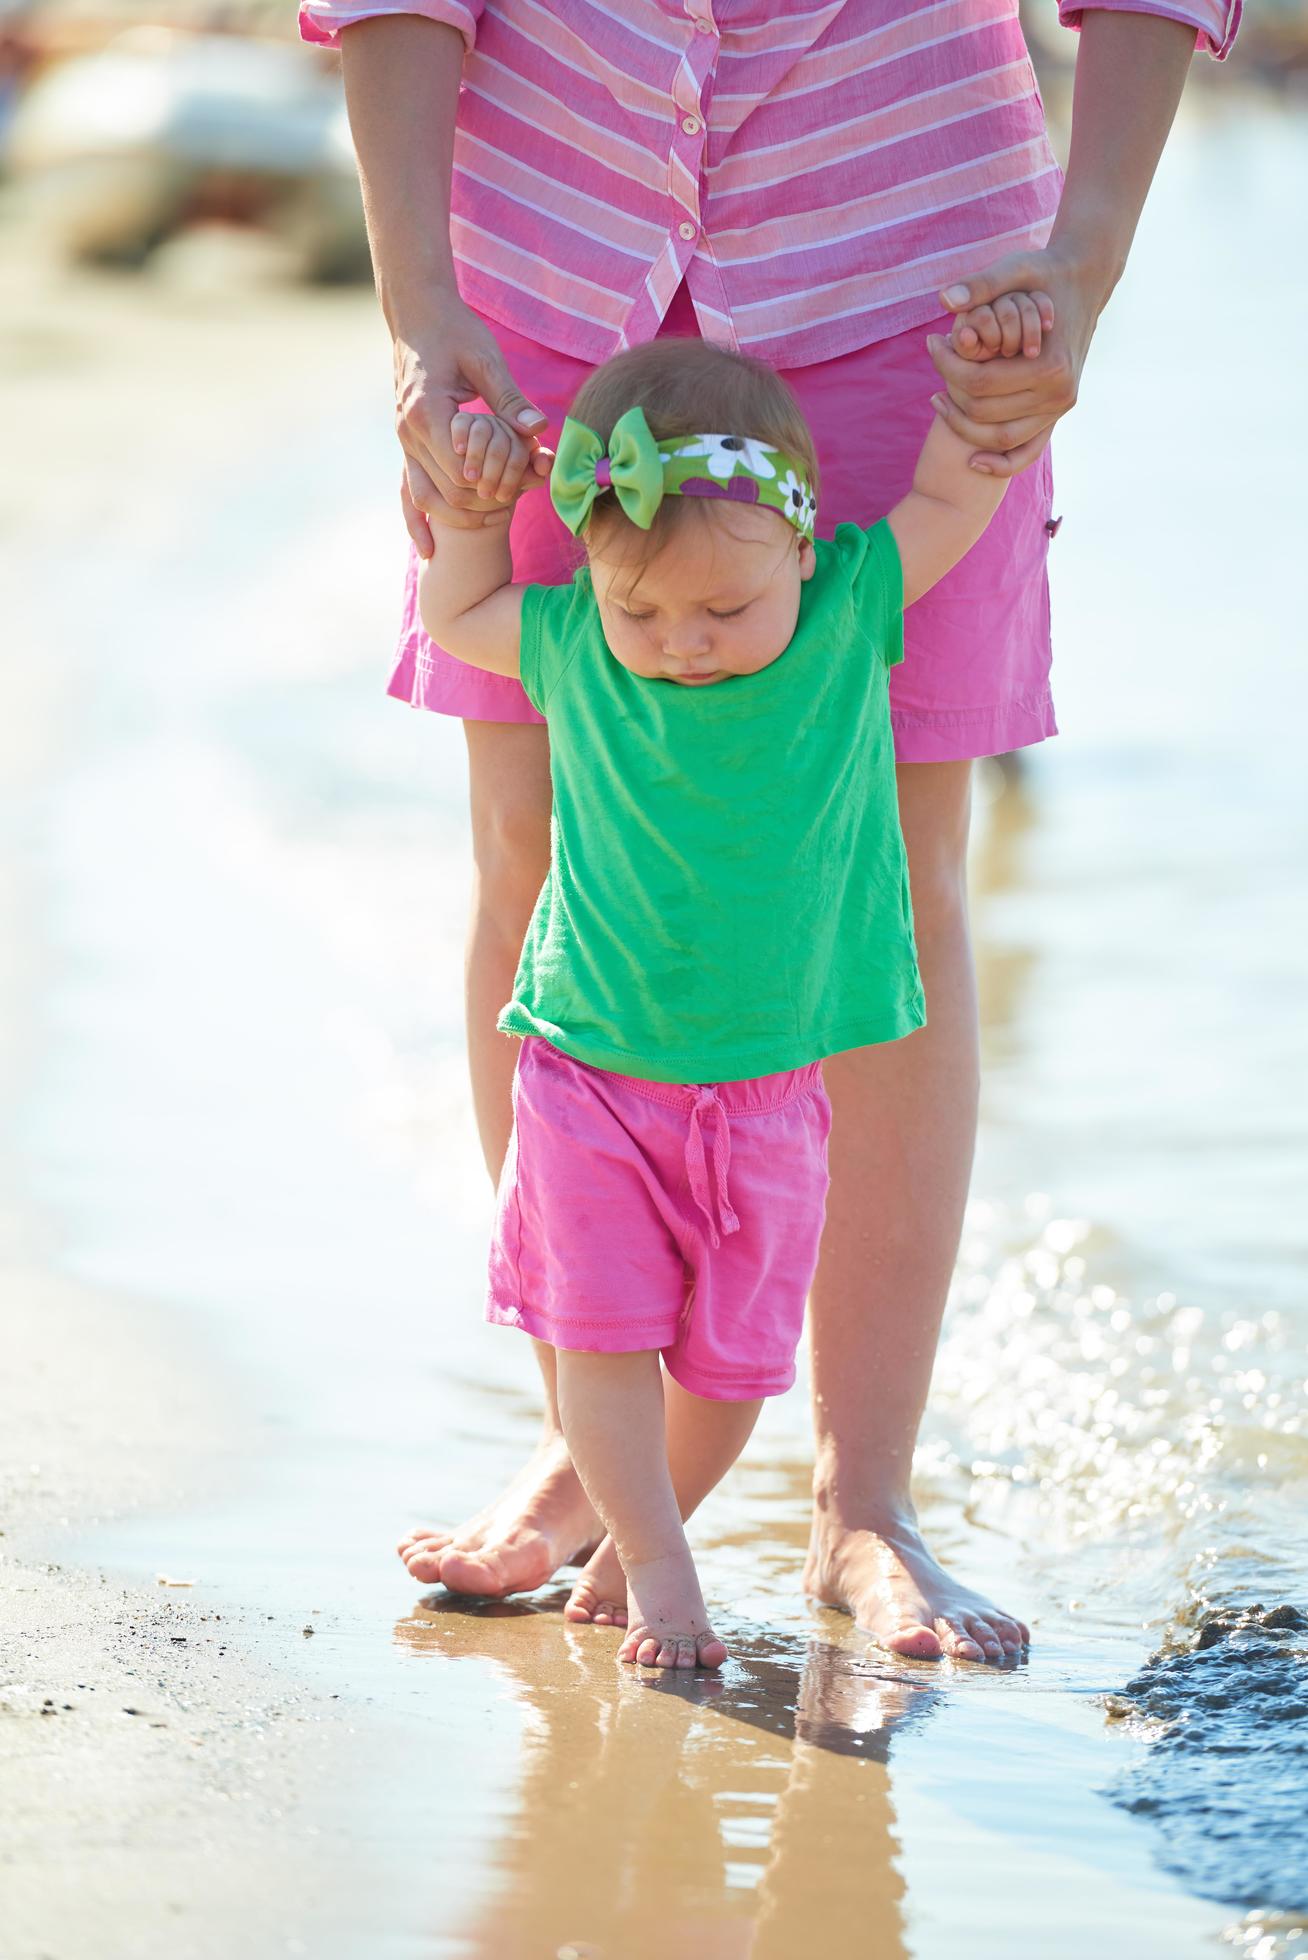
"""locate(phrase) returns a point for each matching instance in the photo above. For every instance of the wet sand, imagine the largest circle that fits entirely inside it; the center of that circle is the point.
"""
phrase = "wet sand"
(245, 1243)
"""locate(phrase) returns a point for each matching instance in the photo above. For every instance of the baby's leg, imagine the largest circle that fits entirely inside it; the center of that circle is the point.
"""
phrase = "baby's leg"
(611, 1408)
(703, 1441)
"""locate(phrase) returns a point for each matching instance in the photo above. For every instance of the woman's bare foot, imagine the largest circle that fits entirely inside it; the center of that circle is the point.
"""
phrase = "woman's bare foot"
(600, 1595)
(667, 1621)
(894, 1590)
(542, 1521)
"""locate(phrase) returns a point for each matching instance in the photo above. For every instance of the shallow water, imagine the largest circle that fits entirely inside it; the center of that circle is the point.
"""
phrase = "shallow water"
(250, 1103)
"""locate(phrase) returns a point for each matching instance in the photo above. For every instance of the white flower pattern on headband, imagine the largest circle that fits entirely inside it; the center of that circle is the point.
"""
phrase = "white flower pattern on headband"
(802, 502)
(723, 453)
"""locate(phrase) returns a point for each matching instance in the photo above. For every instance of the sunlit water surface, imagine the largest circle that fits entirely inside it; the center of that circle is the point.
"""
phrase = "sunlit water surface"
(253, 1105)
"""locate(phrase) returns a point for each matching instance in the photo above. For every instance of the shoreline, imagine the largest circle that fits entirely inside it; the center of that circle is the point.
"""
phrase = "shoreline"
(158, 1775)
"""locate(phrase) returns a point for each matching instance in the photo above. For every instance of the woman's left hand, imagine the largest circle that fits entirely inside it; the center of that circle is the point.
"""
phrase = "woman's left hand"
(1006, 409)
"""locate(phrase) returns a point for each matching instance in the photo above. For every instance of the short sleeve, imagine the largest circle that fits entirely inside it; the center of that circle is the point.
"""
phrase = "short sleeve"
(554, 626)
(321, 21)
(870, 562)
(1215, 21)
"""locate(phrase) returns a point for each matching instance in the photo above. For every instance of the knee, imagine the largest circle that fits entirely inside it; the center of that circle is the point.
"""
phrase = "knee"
(939, 893)
(511, 851)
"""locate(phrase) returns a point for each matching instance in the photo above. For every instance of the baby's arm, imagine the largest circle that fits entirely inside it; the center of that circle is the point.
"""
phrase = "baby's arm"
(466, 596)
(1016, 323)
(944, 513)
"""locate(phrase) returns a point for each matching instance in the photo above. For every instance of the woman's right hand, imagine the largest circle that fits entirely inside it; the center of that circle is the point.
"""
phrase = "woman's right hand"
(454, 361)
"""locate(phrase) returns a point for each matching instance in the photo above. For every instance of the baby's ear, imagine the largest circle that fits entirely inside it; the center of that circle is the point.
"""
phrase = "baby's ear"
(807, 558)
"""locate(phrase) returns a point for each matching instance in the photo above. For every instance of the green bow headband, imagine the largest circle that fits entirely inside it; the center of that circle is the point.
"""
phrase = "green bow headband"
(642, 472)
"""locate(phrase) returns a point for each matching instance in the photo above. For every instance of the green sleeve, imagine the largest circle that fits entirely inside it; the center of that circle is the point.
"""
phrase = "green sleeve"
(869, 565)
(548, 638)
(881, 592)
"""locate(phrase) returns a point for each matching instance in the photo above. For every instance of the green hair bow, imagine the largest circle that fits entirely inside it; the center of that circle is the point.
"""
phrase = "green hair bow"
(632, 465)
(642, 472)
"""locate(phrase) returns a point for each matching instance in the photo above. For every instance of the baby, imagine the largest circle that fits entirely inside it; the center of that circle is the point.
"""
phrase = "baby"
(727, 903)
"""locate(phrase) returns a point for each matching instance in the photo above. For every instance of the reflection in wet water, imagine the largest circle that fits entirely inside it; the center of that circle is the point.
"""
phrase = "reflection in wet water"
(782, 1840)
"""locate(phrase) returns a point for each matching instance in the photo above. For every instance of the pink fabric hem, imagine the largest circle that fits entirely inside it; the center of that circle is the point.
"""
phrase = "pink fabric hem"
(712, 1387)
(1217, 44)
(967, 738)
(442, 687)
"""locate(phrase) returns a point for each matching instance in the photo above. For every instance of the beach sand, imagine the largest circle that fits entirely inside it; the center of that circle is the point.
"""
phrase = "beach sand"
(245, 1224)
(165, 1784)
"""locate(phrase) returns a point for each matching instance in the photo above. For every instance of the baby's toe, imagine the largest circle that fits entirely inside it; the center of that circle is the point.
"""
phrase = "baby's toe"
(638, 1638)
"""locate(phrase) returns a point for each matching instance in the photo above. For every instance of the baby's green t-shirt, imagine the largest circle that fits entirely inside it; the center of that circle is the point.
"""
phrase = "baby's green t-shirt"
(727, 893)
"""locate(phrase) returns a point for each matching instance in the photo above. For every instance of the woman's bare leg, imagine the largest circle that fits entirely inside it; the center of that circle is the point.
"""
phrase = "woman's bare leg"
(543, 1519)
(904, 1128)
(703, 1440)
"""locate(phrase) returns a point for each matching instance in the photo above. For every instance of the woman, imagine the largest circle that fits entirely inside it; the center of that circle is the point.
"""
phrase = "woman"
(800, 184)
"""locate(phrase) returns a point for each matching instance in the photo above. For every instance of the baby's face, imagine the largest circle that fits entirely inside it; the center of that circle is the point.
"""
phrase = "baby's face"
(721, 598)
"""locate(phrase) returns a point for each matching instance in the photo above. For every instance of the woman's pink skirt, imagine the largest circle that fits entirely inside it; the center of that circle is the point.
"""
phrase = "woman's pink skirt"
(975, 676)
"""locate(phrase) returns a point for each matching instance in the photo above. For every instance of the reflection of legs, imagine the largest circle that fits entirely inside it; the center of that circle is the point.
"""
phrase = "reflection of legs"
(703, 1441)
(611, 1407)
(543, 1519)
(901, 1155)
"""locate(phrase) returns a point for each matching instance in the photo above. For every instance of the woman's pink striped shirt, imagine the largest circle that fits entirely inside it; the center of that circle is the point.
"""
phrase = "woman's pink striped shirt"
(814, 174)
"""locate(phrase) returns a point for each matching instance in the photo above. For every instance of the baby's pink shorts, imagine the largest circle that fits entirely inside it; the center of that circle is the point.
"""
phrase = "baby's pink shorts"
(974, 679)
(635, 1215)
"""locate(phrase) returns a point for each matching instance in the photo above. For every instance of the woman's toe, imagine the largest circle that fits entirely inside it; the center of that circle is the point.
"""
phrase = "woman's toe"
(1011, 1637)
(915, 1641)
(416, 1540)
(958, 1642)
(424, 1560)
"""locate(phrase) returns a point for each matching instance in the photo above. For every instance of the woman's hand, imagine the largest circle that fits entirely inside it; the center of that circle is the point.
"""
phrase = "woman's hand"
(1006, 410)
(453, 362)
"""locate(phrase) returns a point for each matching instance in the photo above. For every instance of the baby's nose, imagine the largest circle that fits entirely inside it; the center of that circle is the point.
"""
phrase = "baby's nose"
(686, 649)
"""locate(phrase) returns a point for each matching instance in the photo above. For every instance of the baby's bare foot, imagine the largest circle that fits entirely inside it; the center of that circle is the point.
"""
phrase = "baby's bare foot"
(600, 1595)
(667, 1621)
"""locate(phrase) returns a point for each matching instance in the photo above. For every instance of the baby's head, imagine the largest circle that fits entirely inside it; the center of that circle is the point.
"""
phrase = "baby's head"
(711, 588)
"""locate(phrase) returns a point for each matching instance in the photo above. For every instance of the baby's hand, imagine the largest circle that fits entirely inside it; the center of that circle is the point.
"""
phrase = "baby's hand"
(497, 458)
(1016, 323)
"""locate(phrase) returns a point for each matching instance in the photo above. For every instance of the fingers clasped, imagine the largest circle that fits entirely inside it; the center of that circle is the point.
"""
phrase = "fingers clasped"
(498, 462)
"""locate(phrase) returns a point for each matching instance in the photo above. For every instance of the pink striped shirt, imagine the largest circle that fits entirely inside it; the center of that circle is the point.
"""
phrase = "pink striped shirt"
(815, 174)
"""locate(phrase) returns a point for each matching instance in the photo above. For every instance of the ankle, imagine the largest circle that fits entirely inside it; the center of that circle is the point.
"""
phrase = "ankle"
(840, 1509)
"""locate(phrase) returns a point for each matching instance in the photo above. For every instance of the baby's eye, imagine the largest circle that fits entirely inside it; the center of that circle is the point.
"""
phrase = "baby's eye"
(733, 614)
(635, 616)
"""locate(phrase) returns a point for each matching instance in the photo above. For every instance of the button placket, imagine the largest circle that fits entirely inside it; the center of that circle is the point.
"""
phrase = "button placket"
(690, 132)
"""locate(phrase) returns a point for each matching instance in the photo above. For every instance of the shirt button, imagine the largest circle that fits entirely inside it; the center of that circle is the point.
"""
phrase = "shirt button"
(705, 27)
(691, 125)
(687, 231)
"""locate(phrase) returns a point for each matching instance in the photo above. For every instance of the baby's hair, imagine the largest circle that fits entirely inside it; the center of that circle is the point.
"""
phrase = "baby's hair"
(686, 387)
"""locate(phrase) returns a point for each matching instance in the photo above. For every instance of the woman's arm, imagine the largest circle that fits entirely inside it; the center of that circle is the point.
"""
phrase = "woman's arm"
(402, 91)
(944, 513)
(1130, 71)
(467, 600)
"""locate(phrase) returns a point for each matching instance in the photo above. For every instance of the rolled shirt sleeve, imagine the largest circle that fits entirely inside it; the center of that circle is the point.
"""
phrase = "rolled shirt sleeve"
(321, 21)
(1215, 21)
